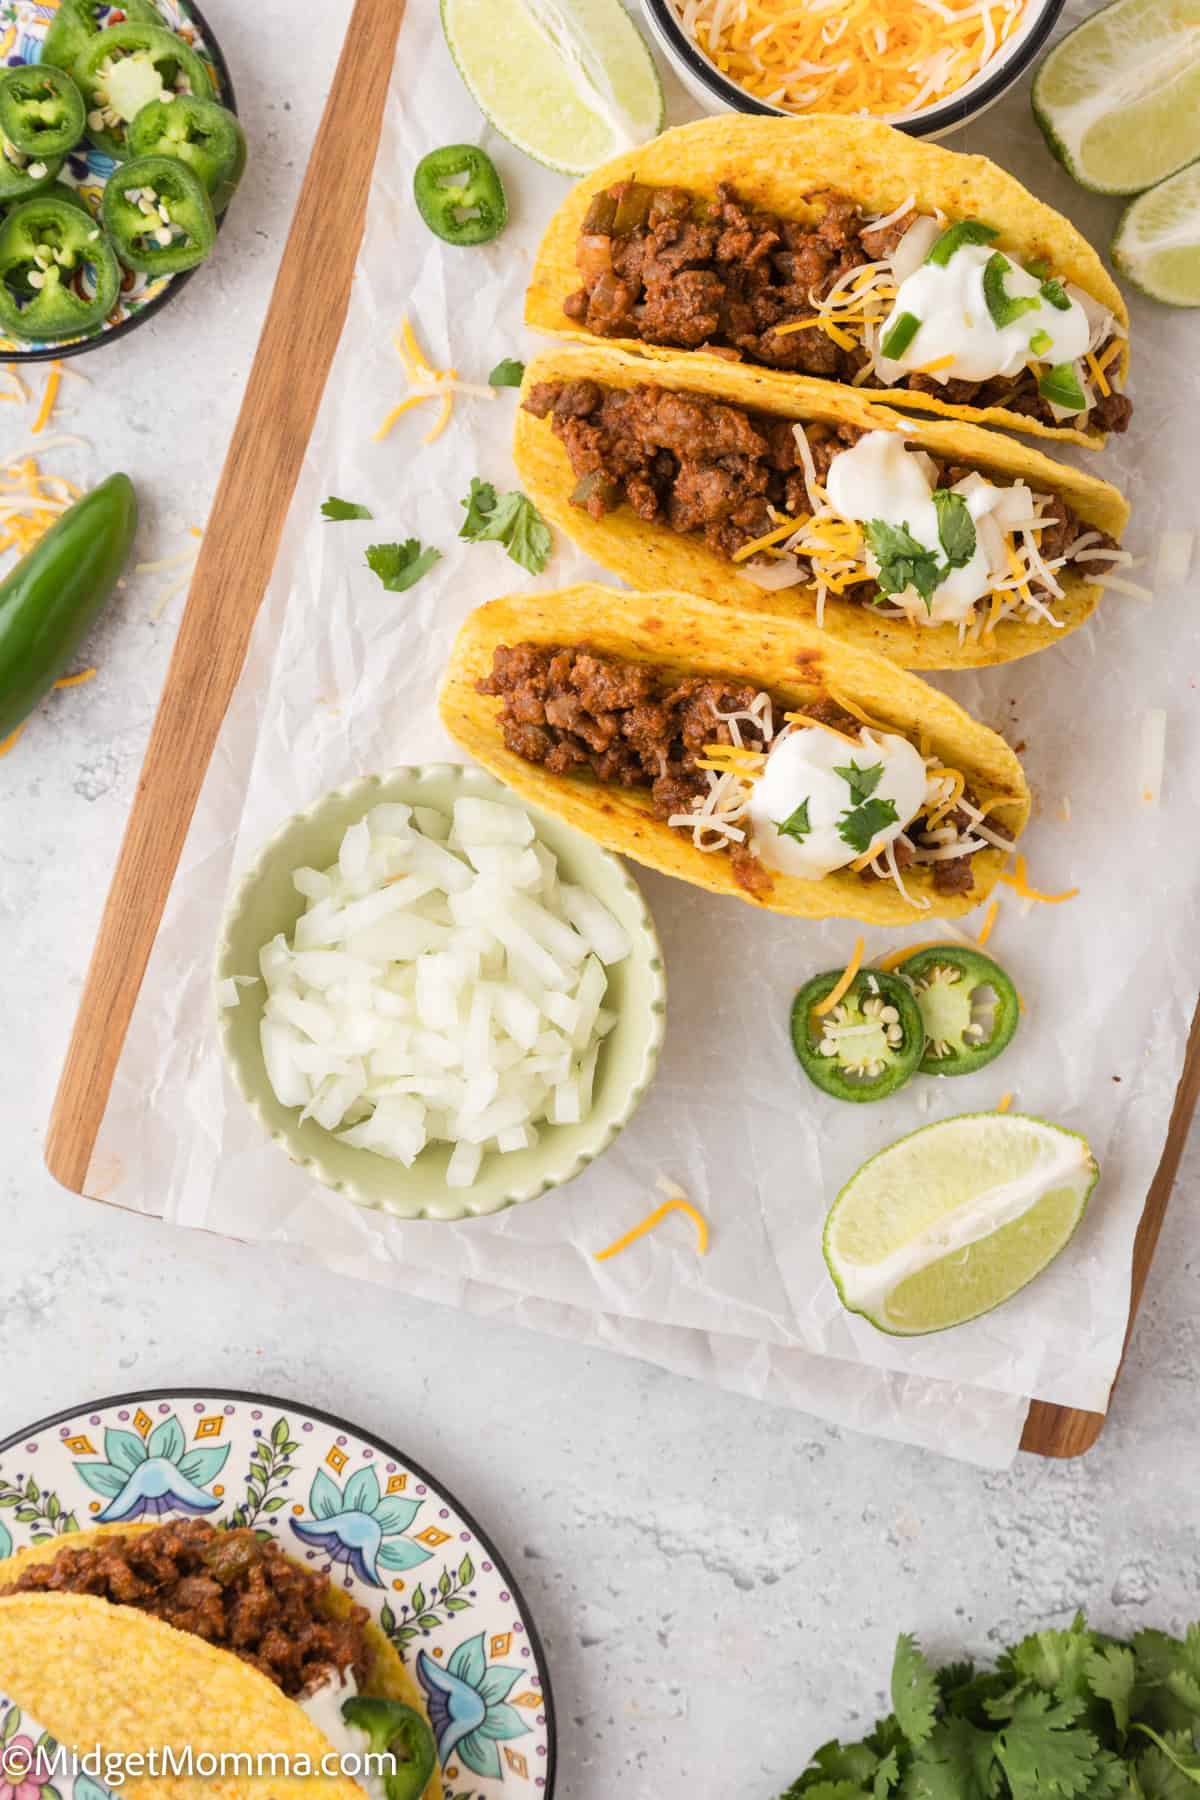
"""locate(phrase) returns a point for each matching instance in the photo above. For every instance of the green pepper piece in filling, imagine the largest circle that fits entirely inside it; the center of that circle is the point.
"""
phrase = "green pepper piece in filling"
(58, 274)
(126, 67)
(158, 215)
(41, 110)
(396, 1730)
(202, 134)
(51, 599)
(968, 1006)
(459, 195)
(77, 22)
(865, 1047)
(1061, 386)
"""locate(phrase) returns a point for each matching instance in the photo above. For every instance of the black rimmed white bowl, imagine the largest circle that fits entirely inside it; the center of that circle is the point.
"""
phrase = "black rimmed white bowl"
(716, 93)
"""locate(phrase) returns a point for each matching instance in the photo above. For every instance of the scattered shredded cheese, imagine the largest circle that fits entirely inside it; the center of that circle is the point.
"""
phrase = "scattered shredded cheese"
(677, 1202)
(427, 383)
(894, 958)
(8, 742)
(842, 985)
(888, 59)
(989, 920)
(1004, 1102)
(1019, 882)
(66, 681)
(49, 396)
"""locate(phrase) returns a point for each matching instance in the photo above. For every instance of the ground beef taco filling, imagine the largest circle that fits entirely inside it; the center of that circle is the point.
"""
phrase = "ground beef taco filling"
(676, 268)
(702, 745)
(231, 1588)
(757, 490)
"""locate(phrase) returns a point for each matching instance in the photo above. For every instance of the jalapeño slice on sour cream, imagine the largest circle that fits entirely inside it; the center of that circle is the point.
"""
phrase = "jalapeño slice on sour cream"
(881, 482)
(823, 801)
(974, 324)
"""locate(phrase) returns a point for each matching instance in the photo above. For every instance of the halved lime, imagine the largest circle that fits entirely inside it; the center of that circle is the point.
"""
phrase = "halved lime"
(570, 82)
(1157, 242)
(1119, 98)
(947, 1223)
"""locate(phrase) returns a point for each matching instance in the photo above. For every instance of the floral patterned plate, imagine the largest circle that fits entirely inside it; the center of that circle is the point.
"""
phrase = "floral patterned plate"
(23, 26)
(342, 1500)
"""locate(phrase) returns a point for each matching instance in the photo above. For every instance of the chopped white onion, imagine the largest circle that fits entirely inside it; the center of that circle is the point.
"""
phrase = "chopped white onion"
(442, 985)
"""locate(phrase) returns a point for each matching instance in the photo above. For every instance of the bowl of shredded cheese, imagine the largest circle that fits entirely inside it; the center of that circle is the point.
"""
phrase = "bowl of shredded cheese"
(925, 66)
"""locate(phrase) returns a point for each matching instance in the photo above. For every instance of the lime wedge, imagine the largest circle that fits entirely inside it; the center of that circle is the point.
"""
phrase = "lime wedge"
(1119, 98)
(570, 82)
(953, 1219)
(1157, 243)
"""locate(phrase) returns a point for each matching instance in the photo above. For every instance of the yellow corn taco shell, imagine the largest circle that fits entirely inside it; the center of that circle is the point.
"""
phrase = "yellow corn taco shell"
(91, 1672)
(788, 657)
(775, 163)
(649, 554)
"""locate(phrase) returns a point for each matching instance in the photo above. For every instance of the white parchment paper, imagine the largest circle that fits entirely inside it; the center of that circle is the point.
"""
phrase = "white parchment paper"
(341, 680)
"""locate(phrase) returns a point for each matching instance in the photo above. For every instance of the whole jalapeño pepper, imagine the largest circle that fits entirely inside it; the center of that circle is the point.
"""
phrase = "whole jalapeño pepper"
(53, 596)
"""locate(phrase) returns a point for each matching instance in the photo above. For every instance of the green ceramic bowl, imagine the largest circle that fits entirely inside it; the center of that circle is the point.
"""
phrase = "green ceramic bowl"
(265, 902)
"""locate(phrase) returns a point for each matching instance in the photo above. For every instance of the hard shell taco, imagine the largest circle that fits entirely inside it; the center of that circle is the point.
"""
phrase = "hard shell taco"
(843, 249)
(135, 1637)
(935, 543)
(750, 755)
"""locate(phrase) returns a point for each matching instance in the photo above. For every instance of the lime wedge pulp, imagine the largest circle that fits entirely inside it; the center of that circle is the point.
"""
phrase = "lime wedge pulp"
(570, 82)
(947, 1223)
(1157, 242)
(1119, 98)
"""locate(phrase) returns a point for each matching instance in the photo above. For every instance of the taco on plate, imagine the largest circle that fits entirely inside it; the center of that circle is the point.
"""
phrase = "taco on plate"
(136, 1637)
(936, 543)
(750, 755)
(842, 249)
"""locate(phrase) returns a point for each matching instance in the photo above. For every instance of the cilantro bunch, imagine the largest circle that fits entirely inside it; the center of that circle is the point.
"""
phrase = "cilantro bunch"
(1065, 1715)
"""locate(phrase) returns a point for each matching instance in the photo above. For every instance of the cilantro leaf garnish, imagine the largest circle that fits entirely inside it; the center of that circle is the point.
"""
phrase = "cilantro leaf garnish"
(914, 1687)
(956, 528)
(338, 511)
(400, 566)
(796, 825)
(903, 562)
(510, 519)
(861, 827)
(508, 373)
(862, 782)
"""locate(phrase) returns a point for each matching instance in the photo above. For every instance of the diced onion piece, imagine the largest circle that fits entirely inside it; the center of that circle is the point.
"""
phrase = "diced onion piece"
(392, 819)
(312, 884)
(1152, 759)
(1174, 557)
(463, 1167)
(604, 936)
(354, 853)
(227, 993)
(288, 1081)
(479, 821)
(431, 824)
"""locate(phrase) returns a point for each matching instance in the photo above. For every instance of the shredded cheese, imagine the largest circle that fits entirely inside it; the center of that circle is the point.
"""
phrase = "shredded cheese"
(989, 920)
(676, 1203)
(49, 396)
(932, 368)
(427, 383)
(8, 742)
(894, 958)
(1004, 1102)
(1098, 375)
(878, 58)
(841, 986)
(66, 681)
(1018, 881)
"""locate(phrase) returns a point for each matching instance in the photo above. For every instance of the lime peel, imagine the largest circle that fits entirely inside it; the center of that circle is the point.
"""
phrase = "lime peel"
(900, 1235)
(569, 82)
(1157, 240)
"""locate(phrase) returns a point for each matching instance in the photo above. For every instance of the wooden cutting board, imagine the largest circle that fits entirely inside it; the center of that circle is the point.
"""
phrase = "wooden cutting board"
(234, 567)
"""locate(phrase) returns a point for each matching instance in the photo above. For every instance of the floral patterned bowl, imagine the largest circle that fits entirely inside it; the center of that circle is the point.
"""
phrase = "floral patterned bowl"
(266, 902)
(23, 26)
(336, 1498)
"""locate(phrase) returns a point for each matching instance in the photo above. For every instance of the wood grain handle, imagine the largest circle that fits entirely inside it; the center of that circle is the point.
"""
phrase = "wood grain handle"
(235, 563)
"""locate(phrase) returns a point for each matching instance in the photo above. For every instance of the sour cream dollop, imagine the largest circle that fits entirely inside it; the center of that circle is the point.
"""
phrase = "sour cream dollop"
(324, 1708)
(880, 478)
(801, 772)
(949, 301)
